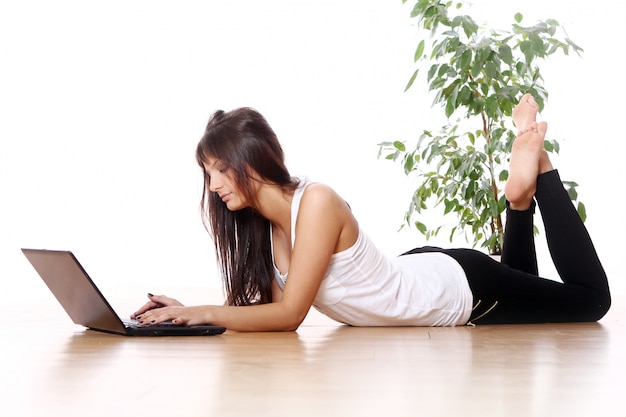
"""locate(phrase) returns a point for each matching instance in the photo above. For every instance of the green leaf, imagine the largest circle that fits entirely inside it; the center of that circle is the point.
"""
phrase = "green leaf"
(464, 62)
(506, 54)
(469, 26)
(431, 72)
(449, 108)
(421, 227)
(417, 9)
(576, 48)
(491, 107)
(419, 51)
(491, 69)
(449, 206)
(518, 17)
(582, 211)
(409, 165)
(572, 193)
(399, 146)
(452, 233)
(412, 80)
(547, 145)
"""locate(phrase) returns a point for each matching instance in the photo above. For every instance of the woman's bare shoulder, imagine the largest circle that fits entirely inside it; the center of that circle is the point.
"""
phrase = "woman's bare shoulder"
(323, 207)
(320, 193)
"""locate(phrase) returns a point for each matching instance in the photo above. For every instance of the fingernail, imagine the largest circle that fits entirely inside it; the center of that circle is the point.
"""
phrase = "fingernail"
(150, 294)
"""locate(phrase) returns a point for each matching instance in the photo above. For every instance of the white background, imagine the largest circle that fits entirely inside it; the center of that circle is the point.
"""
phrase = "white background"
(102, 104)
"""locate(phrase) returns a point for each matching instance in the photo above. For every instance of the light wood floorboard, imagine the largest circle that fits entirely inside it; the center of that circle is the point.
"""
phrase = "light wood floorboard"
(50, 367)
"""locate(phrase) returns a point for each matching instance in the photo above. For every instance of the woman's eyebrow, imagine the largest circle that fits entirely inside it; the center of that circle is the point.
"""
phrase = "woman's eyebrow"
(215, 162)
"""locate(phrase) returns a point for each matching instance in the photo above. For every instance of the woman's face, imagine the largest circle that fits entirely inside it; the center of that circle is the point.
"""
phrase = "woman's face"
(222, 183)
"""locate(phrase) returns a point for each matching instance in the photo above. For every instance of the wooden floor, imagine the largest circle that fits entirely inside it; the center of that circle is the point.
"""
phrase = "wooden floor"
(323, 369)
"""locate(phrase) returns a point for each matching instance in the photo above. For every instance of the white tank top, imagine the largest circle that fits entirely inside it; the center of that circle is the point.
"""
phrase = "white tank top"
(364, 287)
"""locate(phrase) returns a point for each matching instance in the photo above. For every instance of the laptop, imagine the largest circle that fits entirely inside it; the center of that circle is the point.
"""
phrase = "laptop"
(86, 305)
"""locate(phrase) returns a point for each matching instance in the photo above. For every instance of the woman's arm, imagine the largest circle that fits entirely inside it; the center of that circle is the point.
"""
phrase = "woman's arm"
(324, 226)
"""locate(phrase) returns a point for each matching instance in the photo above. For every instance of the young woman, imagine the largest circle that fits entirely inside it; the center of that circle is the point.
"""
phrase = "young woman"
(285, 244)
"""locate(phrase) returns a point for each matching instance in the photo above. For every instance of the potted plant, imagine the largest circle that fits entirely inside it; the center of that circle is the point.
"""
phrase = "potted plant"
(477, 74)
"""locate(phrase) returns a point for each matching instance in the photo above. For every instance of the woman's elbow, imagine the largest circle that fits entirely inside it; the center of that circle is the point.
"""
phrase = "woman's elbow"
(294, 319)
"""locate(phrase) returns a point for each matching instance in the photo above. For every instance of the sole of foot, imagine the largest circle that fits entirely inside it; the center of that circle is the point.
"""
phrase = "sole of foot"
(525, 113)
(528, 159)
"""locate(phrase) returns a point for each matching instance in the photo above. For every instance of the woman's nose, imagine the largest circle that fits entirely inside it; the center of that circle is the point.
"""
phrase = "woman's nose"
(214, 185)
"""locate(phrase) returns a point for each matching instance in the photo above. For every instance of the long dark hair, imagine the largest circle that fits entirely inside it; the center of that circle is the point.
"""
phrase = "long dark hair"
(243, 140)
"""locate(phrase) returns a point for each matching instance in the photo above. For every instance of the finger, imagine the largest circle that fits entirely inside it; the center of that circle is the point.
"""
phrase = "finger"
(150, 305)
(176, 315)
(164, 300)
(166, 314)
(152, 317)
(156, 301)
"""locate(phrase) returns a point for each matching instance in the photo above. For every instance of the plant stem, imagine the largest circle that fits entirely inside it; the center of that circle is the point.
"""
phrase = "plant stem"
(494, 223)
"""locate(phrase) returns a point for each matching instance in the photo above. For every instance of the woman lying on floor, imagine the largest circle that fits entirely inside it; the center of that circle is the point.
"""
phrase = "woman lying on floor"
(285, 244)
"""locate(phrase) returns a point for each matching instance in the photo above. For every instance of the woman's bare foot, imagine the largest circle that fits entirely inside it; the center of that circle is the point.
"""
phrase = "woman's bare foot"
(525, 113)
(528, 160)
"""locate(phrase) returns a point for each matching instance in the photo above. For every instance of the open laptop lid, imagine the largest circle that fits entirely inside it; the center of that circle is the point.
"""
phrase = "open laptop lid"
(84, 302)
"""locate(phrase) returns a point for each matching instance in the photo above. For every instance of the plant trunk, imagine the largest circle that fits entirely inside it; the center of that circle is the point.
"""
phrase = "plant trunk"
(496, 223)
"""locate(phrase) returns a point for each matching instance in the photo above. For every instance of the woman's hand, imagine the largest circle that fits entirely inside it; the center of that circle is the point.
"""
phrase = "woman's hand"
(156, 301)
(161, 308)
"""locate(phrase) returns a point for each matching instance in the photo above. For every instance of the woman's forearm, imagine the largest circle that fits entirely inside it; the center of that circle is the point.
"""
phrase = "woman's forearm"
(256, 318)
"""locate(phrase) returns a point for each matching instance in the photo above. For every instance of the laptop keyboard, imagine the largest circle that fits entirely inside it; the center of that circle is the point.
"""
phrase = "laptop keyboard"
(135, 323)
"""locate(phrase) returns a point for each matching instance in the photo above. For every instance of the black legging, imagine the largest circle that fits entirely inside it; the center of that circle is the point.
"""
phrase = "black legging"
(511, 291)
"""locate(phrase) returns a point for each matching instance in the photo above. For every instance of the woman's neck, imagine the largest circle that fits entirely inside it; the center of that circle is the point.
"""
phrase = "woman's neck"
(275, 206)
